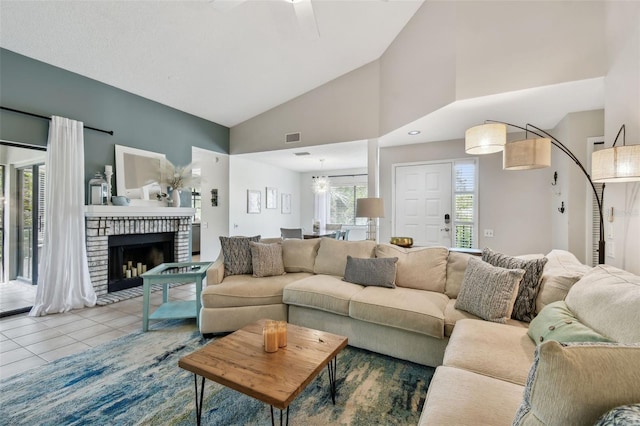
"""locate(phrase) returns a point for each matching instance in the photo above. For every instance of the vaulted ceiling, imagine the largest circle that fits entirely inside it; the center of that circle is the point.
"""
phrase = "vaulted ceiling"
(230, 60)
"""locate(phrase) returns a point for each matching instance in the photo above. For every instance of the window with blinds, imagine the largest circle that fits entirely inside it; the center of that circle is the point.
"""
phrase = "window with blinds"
(42, 180)
(465, 203)
(342, 203)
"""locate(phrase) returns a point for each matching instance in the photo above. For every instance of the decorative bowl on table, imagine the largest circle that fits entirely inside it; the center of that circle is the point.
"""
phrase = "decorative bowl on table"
(405, 242)
(119, 200)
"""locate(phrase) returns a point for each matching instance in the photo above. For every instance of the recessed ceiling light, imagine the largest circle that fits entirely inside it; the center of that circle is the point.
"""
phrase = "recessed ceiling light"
(414, 132)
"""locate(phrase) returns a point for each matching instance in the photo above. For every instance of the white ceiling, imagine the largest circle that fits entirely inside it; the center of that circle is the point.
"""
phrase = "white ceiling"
(224, 64)
(228, 64)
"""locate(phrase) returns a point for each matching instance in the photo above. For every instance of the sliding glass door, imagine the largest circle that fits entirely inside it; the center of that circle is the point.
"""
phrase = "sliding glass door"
(30, 223)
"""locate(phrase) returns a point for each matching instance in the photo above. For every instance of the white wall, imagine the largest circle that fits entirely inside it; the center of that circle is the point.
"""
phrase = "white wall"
(622, 106)
(247, 174)
(342, 110)
(511, 45)
(215, 220)
(514, 204)
(418, 70)
(569, 230)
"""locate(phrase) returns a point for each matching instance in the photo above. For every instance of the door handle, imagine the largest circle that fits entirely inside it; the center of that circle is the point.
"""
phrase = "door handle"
(444, 229)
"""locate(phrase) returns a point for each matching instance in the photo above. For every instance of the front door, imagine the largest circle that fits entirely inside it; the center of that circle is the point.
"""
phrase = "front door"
(422, 203)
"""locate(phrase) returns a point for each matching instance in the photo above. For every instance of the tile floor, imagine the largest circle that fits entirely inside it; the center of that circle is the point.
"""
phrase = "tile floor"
(27, 342)
(15, 295)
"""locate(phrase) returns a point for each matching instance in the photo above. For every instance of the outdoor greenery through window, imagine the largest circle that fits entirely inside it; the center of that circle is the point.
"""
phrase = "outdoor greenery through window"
(342, 203)
(465, 198)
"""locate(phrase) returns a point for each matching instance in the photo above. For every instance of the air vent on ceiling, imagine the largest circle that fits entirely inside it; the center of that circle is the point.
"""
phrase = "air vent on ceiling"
(301, 153)
(292, 137)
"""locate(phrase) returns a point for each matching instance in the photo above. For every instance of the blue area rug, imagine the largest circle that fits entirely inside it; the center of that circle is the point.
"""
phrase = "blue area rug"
(136, 380)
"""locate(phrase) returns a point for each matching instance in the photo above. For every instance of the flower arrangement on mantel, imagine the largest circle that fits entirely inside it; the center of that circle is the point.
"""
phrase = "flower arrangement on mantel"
(178, 178)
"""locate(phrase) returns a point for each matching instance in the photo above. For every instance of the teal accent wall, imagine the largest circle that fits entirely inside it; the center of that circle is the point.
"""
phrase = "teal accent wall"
(39, 88)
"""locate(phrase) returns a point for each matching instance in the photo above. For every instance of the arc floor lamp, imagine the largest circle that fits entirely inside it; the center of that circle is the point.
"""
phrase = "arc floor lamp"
(615, 164)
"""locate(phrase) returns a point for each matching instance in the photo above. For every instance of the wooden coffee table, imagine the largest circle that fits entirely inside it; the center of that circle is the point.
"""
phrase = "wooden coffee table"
(239, 362)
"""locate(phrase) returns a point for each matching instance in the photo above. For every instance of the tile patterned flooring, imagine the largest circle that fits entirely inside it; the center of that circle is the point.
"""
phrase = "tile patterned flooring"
(15, 295)
(27, 342)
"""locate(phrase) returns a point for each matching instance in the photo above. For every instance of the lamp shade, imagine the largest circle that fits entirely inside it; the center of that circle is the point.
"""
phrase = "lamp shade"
(485, 138)
(369, 207)
(527, 154)
(617, 164)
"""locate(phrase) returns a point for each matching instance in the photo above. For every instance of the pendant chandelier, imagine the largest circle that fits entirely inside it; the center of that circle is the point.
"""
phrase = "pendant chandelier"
(320, 184)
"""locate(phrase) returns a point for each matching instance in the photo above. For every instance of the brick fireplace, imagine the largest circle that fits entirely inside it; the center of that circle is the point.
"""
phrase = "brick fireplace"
(130, 223)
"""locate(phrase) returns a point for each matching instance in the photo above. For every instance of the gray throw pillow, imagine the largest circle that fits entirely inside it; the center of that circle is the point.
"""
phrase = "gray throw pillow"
(266, 259)
(380, 272)
(488, 291)
(237, 255)
(524, 309)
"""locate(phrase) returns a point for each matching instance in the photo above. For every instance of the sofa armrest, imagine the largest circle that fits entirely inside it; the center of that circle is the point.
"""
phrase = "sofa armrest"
(215, 273)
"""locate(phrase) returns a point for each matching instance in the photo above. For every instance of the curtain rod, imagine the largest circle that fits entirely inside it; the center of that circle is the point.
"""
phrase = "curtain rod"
(335, 176)
(109, 132)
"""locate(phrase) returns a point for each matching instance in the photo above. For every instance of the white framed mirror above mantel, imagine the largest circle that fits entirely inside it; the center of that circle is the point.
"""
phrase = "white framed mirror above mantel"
(139, 176)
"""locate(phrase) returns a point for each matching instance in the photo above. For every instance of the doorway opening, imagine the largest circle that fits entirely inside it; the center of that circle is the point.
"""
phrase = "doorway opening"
(22, 182)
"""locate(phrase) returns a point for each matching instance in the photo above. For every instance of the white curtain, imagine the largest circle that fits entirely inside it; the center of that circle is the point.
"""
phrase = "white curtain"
(63, 280)
(321, 208)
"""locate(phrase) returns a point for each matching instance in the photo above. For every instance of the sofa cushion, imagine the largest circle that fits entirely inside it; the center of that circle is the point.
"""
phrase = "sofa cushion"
(332, 254)
(575, 384)
(500, 351)
(488, 291)
(557, 322)
(299, 255)
(266, 259)
(422, 268)
(405, 308)
(607, 299)
(325, 292)
(372, 271)
(460, 397)
(453, 315)
(561, 271)
(245, 290)
(237, 254)
(524, 308)
(456, 267)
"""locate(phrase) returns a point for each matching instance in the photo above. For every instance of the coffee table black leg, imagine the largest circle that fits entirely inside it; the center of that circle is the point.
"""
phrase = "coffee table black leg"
(332, 366)
(199, 398)
(272, 420)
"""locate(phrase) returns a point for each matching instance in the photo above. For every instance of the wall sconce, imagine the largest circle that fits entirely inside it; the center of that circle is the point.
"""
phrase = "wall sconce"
(214, 198)
(554, 185)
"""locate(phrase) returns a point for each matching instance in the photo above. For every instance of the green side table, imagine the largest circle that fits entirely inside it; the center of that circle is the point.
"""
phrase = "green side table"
(168, 273)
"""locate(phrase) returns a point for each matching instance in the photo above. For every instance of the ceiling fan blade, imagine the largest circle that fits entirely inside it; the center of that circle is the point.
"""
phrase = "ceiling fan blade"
(306, 18)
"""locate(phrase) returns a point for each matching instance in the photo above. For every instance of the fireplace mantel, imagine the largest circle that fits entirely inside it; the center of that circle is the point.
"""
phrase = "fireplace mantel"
(137, 211)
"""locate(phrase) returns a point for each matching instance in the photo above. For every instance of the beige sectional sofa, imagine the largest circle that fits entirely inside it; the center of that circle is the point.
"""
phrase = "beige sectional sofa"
(412, 321)
(482, 366)
(495, 374)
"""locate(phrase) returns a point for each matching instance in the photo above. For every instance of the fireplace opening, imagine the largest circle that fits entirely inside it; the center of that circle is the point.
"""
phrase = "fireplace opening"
(133, 254)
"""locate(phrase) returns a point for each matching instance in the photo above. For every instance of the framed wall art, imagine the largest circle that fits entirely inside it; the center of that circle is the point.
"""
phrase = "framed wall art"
(286, 204)
(254, 199)
(272, 198)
